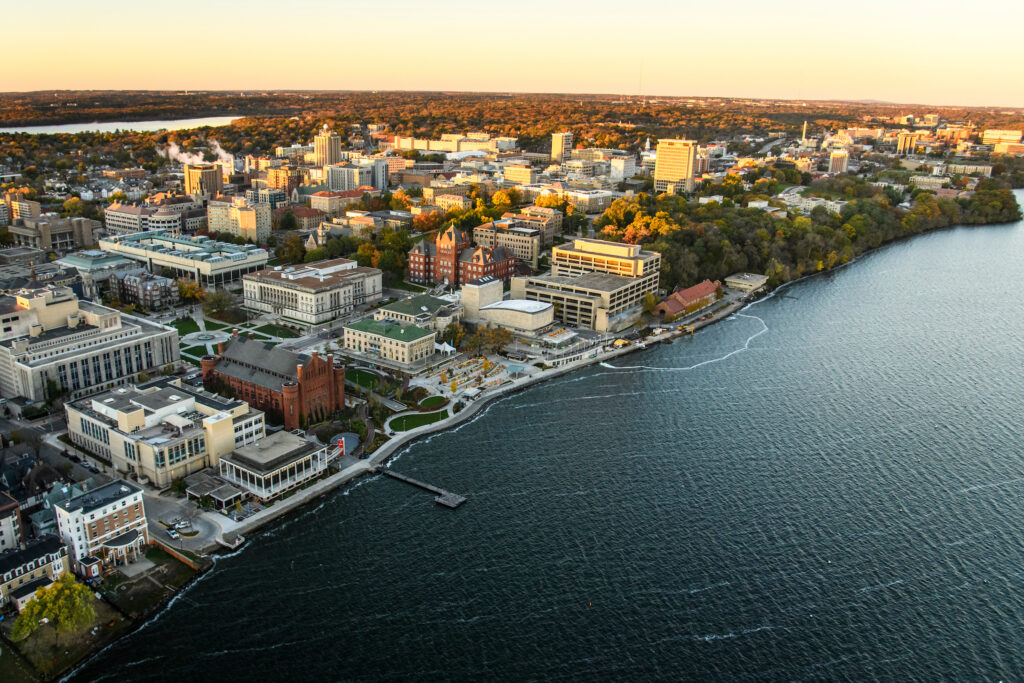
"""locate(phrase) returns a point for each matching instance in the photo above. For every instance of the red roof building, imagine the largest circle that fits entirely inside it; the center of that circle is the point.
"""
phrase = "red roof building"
(688, 300)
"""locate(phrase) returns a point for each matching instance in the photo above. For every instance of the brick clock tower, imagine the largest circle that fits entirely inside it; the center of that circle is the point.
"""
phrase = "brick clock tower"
(448, 246)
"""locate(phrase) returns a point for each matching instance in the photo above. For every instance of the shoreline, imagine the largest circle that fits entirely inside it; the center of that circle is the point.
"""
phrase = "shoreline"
(397, 444)
(474, 407)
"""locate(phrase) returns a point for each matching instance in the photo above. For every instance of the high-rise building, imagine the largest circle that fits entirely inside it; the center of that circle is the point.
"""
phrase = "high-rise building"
(286, 178)
(203, 179)
(906, 142)
(561, 146)
(674, 165)
(838, 161)
(327, 147)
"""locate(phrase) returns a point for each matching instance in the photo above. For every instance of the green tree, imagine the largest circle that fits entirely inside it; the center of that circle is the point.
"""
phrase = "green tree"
(66, 604)
(453, 334)
(292, 250)
(650, 302)
(219, 302)
(287, 221)
(318, 254)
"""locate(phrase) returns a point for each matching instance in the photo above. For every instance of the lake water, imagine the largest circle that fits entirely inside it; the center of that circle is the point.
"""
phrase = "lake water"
(111, 126)
(829, 485)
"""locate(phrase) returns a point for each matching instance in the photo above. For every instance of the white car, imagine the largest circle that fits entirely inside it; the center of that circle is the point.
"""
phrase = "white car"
(173, 534)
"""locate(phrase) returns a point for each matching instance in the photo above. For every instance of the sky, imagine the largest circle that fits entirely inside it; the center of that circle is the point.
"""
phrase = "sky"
(947, 52)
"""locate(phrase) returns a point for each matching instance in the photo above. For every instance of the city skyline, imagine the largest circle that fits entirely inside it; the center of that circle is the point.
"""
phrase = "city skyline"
(793, 51)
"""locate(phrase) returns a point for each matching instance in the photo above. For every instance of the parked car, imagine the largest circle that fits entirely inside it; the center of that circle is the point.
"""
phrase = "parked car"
(173, 534)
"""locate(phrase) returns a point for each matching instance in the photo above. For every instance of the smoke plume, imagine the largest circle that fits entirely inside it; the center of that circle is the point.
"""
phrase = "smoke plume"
(177, 154)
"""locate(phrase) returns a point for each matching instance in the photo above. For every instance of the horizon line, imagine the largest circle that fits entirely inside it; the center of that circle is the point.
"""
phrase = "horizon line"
(510, 93)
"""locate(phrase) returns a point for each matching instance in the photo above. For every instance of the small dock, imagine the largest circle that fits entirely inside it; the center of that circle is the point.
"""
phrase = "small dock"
(441, 497)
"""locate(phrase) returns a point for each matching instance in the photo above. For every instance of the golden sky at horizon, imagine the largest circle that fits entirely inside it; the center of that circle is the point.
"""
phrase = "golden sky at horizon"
(944, 52)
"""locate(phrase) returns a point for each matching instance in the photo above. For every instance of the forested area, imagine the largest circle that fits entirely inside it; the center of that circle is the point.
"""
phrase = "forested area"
(713, 240)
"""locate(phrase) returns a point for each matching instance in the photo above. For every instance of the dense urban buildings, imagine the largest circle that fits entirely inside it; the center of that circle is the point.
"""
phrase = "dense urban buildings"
(51, 341)
(313, 293)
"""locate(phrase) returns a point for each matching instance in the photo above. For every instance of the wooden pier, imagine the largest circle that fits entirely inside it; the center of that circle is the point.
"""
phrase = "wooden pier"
(441, 497)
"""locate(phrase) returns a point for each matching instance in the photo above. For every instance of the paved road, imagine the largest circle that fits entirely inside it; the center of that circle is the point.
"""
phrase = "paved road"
(162, 508)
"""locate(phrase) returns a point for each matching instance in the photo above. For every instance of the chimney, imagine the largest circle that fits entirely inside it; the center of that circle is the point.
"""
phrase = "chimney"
(252, 336)
(234, 332)
(220, 347)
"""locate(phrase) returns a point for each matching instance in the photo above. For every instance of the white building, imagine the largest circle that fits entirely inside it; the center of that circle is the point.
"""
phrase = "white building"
(104, 526)
(313, 293)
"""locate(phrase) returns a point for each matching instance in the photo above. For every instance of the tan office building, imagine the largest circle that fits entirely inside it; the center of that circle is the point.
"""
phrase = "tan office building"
(674, 166)
(561, 146)
(594, 283)
(162, 430)
(235, 215)
(326, 147)
(519, 239)
(204, 179)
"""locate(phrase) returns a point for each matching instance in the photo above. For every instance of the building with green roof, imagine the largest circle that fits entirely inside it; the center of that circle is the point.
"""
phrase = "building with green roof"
(422, 310)
(389, 340)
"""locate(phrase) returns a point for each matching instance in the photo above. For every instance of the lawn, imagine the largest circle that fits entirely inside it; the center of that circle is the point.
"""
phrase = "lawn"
(185, 326)
(433, 401)
(365, 379)
(407, 286)
(49, 658)
(276, 331)
(210, 325)
(406, 422)
(193, 361)
(197, 351)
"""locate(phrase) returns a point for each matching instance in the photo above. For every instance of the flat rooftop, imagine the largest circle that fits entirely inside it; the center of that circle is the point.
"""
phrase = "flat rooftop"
(597, 282)
(273, 452)
(101, 496)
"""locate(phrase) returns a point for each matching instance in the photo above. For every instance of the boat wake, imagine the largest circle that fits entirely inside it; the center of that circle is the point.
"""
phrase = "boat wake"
(719, 359)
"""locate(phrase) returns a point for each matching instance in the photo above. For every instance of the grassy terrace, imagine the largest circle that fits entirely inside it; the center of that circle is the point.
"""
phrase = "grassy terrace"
(276, 331)
(210, 325)
(365, 379)
(185, 326)
(433, 401)
(197, 351)
(407, 422)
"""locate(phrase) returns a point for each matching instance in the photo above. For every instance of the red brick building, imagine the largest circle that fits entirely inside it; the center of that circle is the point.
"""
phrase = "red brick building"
(290, 385)
(688, 300)
(453, 257)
